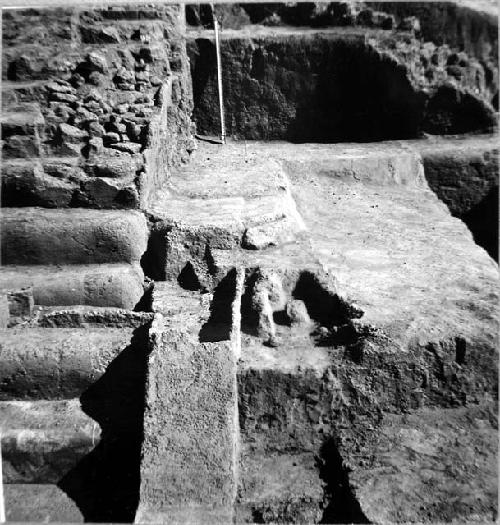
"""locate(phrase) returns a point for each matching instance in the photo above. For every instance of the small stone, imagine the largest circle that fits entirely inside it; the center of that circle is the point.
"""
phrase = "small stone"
(70, 150)
(63, 97)
(94, 95)
(100, 35)
(83, 116)
(95, 129)
(95, 146)
(145, 112)
(111, 137)
(97, 79)
(105, 107)
(134, 131)
(61, 110)
(92, 105)
(115, 164)
(142, 76)
(58, 87)
(110, 193)
(124, 76)
(121, 108)
(127, 147)
(111, 34)
(126, 86)
(273, 341)
(71, 134)
(97, 62)
(297, 313)
(155, 81)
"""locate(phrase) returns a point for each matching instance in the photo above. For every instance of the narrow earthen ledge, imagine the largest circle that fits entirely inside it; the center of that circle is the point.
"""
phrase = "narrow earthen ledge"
(114, 285)
(188, 470)
(42, 236)
(55, 363)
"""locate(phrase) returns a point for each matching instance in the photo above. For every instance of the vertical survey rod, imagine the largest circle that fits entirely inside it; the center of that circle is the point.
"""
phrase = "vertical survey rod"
(219, 77)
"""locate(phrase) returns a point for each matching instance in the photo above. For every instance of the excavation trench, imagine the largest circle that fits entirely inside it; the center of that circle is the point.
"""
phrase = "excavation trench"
(325, 85)
(313, 321)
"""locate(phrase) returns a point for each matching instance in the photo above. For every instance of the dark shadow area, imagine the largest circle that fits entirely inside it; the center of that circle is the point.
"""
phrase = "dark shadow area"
(153, 260)
(249, 314)
(359, 96)
(324, 307)
(145, 303)
(188, 280)
(281, 318)
(105, 483)
(342, 505)
(199, 15)
(482, 221)
(219, 324)
(343, 335)
(450, 111)
(203, 71)
(21, 193)
(305, 90)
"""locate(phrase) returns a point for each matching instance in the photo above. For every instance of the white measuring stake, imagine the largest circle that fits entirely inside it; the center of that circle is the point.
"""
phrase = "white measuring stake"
(219, 77)
(2, 501)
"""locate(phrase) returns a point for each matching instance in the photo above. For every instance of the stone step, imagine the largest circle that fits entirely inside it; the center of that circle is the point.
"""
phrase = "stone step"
(104, 285)
(63, 182)
(39, 503)
(22, 92)
(56, 363)
(43, 440)
(21, 119)
(76, 236)
(22, 130)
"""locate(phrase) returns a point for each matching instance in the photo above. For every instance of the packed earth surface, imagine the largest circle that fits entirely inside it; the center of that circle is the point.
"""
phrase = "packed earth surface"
(298, 325)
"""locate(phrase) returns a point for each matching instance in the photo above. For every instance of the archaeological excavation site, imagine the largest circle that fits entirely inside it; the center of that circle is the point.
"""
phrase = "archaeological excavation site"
(249, 263)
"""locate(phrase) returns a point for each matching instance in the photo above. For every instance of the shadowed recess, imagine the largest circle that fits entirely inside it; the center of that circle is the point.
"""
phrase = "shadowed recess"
(323, 306)
(342, 506)
(219, 325)
(482, 221)
(105, 483)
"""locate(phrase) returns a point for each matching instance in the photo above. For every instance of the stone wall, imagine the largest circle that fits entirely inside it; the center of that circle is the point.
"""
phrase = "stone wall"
(81, 100)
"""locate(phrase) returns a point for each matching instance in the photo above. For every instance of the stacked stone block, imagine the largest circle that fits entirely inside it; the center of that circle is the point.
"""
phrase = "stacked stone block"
(80, 92)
